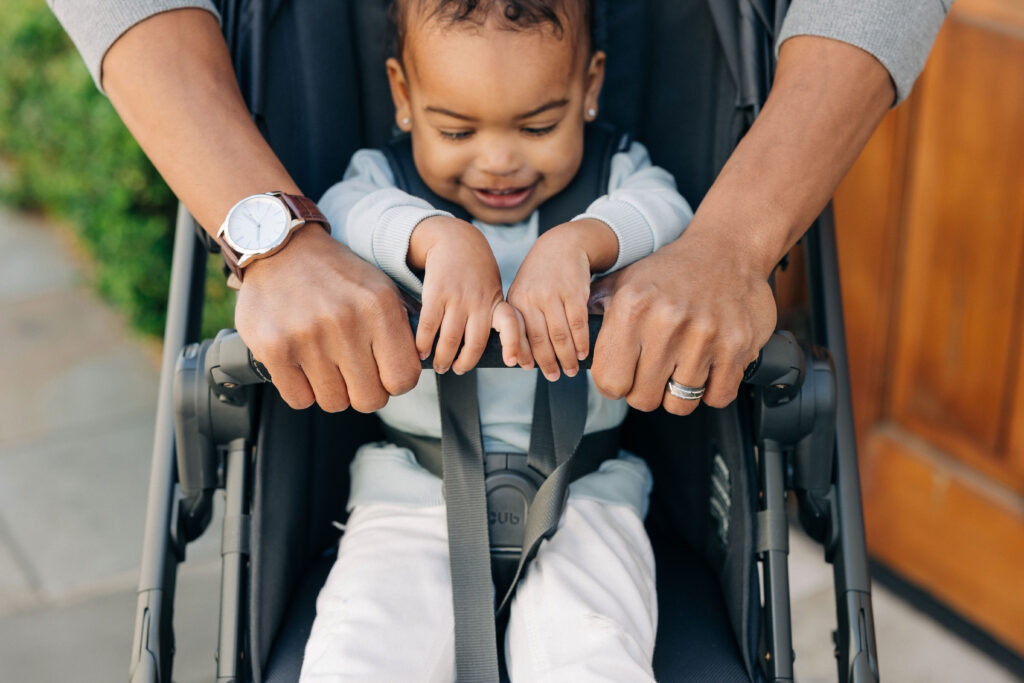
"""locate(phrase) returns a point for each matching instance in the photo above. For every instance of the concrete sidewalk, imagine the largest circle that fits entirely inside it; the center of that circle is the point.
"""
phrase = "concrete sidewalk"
(76, 426)
(76, 429)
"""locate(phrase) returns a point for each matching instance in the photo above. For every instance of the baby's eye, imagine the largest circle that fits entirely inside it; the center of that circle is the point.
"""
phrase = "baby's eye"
(540, 131)
(455, 134)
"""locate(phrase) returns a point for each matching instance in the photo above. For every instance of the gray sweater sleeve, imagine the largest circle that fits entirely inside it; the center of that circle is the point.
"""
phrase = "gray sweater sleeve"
(899, 33)
(94, 25)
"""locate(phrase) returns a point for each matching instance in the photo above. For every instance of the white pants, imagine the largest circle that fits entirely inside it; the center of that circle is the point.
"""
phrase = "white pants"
(586, 609)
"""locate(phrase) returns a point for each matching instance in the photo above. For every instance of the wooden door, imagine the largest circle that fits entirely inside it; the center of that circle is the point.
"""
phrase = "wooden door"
(930, 224)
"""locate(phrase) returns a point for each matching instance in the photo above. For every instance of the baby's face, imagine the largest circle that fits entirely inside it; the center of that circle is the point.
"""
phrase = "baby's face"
(496, 115)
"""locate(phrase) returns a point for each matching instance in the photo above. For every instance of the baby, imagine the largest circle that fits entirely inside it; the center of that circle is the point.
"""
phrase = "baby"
(495, 95)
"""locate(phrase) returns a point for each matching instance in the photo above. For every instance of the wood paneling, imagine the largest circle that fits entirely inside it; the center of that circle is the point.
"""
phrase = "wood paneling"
(930, 519)
(870, 199)
(930, 224)
(960, 308)
(1015, 440)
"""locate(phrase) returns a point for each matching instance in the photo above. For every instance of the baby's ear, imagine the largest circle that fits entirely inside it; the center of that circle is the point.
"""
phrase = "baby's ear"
(593, 82)
(399, 94)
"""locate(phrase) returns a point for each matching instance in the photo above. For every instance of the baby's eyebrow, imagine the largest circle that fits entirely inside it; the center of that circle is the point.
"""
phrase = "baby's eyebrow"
(553, 104)
(449, 112)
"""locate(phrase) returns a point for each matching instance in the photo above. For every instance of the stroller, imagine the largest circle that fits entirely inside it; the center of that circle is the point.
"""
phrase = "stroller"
(716, 514)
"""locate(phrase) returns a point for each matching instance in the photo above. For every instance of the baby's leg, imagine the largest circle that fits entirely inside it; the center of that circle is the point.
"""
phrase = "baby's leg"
(587, 609)
(385, 612)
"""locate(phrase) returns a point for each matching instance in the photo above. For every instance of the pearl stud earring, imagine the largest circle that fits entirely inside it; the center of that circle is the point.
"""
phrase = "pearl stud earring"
(405, 121)
(591, 112)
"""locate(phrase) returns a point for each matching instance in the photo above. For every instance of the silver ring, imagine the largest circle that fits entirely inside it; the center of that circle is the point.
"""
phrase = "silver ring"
(684, 392)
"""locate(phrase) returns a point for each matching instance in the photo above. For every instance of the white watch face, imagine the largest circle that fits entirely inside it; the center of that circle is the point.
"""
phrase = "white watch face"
(257, 224)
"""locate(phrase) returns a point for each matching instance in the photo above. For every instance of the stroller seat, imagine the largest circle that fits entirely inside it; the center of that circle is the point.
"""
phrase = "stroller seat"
(695, 641)
(717, 508)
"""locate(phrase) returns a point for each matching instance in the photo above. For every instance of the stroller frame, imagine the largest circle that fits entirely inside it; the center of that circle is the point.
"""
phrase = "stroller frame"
(827, 486)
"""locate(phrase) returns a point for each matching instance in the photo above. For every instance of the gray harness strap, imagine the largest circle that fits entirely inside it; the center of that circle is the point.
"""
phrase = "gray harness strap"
(559, 417)
(469, 552)
(560, 413)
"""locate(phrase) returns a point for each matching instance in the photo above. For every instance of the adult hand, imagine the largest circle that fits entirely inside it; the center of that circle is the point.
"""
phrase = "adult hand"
(696, 311)
(327, 325)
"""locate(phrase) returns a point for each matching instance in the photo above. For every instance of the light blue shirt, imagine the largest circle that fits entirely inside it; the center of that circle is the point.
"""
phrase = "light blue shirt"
(375, 219)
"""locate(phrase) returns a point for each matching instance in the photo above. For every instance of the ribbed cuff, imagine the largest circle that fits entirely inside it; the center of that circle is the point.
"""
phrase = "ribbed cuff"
(897, 34)
(391, 243)
(95, 25)
(630, 227)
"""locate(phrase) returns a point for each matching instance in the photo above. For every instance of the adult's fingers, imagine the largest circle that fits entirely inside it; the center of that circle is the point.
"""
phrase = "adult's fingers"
(692, 365)
(359, 370)
(328, 384)
(684, 406)
(653, 369)
(292, 384)
(393, 347)
(723, 383)
(616, 352)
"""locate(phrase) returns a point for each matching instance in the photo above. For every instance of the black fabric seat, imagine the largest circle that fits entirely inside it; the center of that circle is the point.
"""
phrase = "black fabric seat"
(695, 642)
(708, 599)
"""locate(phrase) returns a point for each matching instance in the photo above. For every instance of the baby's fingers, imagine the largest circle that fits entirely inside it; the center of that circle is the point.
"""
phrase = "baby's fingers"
(448, 338)
(512, 333)
(477, 332)
(579, 327)
(540, 344)
(562, 340)
(430, 321)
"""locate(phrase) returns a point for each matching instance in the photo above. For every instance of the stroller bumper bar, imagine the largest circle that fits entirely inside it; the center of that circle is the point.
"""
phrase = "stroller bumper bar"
(230, 365)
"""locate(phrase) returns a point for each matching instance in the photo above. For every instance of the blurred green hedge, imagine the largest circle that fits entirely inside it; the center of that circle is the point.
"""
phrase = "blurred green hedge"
(72, 158)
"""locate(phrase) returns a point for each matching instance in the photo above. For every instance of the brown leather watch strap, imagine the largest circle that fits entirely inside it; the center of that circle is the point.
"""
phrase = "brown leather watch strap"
(304, 208)
(230, 257)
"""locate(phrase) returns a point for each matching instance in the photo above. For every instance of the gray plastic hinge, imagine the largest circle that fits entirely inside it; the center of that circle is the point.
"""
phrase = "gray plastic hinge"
(772, 531)
(235, 538)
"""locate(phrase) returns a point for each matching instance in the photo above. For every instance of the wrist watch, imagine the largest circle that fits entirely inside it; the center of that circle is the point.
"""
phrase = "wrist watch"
(261, 225)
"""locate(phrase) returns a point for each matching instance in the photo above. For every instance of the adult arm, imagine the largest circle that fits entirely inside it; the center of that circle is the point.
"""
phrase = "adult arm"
(699, 309)
(328, 326)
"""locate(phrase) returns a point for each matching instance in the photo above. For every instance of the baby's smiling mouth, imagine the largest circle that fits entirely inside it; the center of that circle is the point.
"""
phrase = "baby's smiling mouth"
(503, 197)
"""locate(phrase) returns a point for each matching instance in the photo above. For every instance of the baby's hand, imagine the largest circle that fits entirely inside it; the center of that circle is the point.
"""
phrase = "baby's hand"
(462, 297)
(552, 287)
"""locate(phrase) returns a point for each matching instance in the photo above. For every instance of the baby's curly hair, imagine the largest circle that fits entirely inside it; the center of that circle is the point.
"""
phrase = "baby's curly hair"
(514, 14)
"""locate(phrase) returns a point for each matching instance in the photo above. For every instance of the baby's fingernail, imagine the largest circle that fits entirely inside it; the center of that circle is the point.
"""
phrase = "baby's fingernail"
(512, 360)
(551, 376)
(424, 355)
(571, 372)
(456, 371)
(441, 371)
(582, 355)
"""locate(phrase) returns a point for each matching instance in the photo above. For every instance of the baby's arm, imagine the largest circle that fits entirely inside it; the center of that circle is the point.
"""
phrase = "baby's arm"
(403, 236)
(462, 297)
(641, 212)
